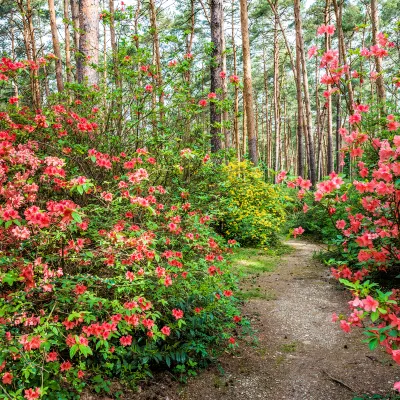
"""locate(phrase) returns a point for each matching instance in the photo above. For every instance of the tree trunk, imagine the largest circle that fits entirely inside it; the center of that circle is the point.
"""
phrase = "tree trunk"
(276, 95)
(56, 46)
(216, 69)
(114, 47)
(307, 103)
(236, 109)
(342, 52)
(329, 149)
(378, 60)
(300, 155)
(75, 26)
(88, 41)
(248, 89)
(156, 43)
(67, 43)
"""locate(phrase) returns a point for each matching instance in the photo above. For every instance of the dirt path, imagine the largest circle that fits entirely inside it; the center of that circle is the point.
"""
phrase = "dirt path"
(301, 354)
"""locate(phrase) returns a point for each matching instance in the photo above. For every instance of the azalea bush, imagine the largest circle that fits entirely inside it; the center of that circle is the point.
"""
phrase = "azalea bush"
(363, 212)
(250, 210)
(104, 273)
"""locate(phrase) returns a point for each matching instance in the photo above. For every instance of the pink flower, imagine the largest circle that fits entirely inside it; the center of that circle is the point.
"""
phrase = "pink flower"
(340, 224)
(32, 394)
(345, 326)
(281, 176)
(166, 330)
(334, 317)
(7, 378)
(148, 88)
(65, 366)
(126, 340)
(298, 231)
(80, 289)
(396, 386)
(370, 304)
(130, 276)
(312, 51)
(202, 103)
(355, 118)
(212, 95)
(107, 196)
(222, 74)
(178, 314)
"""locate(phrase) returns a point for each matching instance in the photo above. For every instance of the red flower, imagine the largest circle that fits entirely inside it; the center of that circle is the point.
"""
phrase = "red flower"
(178, 314)
(203, 102)
(32, 394)
(13, 100)
(232, 340)
(7, 378)
(65, 366)
(126, 340)
(166, 330)
(80, 289)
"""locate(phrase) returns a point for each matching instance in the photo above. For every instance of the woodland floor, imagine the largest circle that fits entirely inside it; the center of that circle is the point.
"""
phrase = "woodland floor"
(296, 352)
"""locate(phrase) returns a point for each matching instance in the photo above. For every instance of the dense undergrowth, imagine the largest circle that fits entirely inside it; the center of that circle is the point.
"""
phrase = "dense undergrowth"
(110, 265)
(357, 212)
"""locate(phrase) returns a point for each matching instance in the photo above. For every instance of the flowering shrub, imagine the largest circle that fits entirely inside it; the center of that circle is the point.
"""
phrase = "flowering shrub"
(364, 212)
(101, 275)
(252, 210)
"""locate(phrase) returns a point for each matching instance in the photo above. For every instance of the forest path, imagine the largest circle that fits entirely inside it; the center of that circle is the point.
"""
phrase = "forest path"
(301, 354)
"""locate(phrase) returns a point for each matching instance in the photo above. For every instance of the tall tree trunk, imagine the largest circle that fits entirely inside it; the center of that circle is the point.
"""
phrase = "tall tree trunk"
(88, 41)
(30, 48)
(225, 114)
(156, 44)
(277, 124)
(338, 7)
(307, 103)
(216, 69)
(248, 89)
(378, 60)
(236, 107)
(68, 65)
(329, 149)
(300, 155)
(56, 46)
(75, 26)
(114, 47)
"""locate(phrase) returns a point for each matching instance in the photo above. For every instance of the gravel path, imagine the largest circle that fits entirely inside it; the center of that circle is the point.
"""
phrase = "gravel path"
(301, 354)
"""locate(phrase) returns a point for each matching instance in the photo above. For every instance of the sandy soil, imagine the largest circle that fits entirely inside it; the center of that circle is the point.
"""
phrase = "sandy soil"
(300, 354)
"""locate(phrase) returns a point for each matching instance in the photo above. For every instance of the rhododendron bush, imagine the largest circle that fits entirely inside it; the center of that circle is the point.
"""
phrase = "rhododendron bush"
(363, 211)
(102, 275)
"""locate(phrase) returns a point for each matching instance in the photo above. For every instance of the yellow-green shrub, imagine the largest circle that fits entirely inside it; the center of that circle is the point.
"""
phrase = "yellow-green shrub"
(253, 210)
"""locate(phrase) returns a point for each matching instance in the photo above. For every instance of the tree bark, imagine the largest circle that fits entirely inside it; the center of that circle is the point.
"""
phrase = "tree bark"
(88, 41)
(216, 69)
(156, 43)
(378, 60)
(300, 153)
(276, 95)
(56, 46)
(307, 103)
(248, 89)
(68, 65)
(329, 149)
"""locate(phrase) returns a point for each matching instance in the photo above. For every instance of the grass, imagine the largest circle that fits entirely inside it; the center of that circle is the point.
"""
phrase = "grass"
(248, 263)
(289, 347)
(252, 261)
(257, 294)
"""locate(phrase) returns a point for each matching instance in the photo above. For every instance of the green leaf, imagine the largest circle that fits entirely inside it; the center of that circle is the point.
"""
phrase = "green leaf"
(77, 217)
(73, 350)
(374, 316)
(373, 344)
